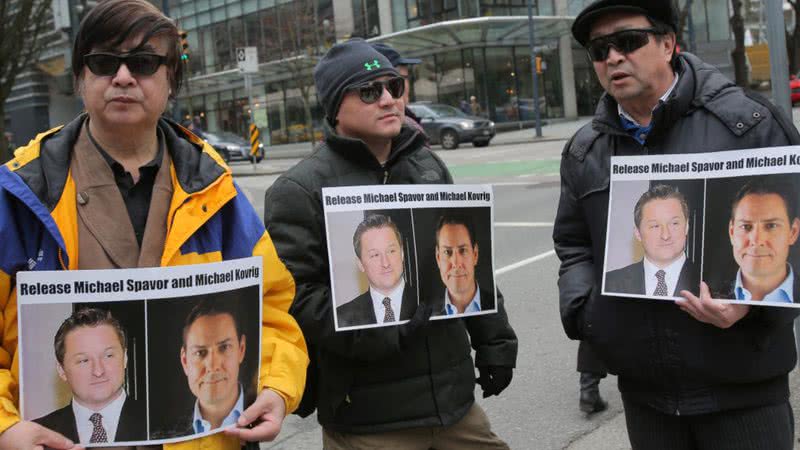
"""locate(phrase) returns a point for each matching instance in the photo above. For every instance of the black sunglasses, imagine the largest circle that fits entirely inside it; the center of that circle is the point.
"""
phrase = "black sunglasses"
(624, 41)
(371, 92)
(107, 64)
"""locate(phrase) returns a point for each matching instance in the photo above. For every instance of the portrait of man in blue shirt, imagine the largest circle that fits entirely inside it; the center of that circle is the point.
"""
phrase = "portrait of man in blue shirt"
(457, 256)
(762, 228)
(213, 349)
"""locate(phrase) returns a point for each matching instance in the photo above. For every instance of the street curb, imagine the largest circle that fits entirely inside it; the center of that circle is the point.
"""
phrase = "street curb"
(259, 173)
(533, 140)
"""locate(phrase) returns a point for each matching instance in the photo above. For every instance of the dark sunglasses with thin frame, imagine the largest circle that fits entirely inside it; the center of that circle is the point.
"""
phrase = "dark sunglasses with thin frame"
(107, 64)
(624, 41)
(372, 91)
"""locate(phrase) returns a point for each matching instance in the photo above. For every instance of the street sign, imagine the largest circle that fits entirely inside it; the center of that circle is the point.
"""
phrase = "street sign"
(247, 59)
(60, 9)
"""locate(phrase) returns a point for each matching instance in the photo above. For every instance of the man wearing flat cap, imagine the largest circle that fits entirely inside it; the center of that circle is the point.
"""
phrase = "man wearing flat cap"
(403, 66)
(402, 386)
(694, 373)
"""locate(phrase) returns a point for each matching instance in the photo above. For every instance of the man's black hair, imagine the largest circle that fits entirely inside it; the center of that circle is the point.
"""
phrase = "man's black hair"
(457, 219)
(765, 186)
(211, 307)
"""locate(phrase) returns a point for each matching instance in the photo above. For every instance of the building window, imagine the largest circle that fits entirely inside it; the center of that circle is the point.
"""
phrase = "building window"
(506, 7)
(424, 12)
(366, 22)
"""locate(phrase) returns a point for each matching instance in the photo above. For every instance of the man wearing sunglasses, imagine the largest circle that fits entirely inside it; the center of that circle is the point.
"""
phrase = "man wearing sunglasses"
(122, 187)
(403, 386)
(403, 66)
(696, 373)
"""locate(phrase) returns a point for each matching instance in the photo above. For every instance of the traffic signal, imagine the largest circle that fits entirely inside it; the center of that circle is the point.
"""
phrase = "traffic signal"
(184, 45)
(83, 6)
(539, 64)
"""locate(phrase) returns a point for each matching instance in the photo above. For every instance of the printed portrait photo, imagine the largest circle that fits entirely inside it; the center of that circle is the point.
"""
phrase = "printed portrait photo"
(751, 250)
(374, 266)
(455, 253)
(84, 366)
(654, 239)
(204, 354)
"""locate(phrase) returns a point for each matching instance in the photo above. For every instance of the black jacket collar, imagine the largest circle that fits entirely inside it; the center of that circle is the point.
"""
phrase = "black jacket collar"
(698, 82)
(47, 175)
(356, 150)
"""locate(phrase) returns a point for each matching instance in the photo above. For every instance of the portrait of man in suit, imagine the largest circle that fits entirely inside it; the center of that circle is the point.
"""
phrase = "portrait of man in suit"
(91, 354)
(762, 229)
(213, 349)
(457, 257)
(660, 225)
(378, 245)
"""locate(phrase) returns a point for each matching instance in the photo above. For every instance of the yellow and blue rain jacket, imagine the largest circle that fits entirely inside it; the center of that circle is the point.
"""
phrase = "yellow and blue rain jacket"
(209, 220)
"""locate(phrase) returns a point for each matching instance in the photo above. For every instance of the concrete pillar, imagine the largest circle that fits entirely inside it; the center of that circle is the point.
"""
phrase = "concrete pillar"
(385, 14)
(567, 66)
(343, 19)
(567, 77)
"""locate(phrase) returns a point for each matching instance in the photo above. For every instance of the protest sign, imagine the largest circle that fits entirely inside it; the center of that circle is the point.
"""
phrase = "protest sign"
(727, 218)
(393, 247)
(139, 356)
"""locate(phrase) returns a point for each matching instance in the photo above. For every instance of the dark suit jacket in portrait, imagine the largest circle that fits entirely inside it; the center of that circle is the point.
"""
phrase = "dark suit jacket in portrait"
(360, 311)
(487, 304)
(630, 279)
(132, 424)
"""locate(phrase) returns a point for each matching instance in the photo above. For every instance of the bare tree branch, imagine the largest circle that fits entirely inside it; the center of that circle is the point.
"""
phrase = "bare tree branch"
(22, 26)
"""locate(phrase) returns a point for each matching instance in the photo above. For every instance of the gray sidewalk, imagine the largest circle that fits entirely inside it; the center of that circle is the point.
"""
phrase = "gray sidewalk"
(275, 158)
(555, 130)
(612, 433)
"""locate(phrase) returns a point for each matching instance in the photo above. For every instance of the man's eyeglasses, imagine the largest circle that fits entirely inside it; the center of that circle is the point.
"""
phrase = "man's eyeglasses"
(624, 41)
(107, 64)
(371, 92)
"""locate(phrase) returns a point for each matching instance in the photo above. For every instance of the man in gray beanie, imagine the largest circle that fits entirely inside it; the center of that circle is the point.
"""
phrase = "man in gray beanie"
(694, 373)
(403, 386)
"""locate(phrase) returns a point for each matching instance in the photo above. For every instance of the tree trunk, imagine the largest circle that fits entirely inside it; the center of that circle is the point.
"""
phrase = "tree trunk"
(5, 149)
(792, 52)
(307, 113)
(738, 55)
(794, 56)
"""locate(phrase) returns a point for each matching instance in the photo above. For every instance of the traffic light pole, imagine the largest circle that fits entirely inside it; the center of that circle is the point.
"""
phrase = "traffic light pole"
(248, 87)
(534, 72)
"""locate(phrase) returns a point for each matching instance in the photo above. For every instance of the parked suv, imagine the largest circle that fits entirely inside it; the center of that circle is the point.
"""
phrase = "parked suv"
(449, 126)
(232, 147)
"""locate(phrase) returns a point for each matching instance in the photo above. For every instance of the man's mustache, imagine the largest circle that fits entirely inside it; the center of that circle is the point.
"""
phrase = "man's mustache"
(214, 377)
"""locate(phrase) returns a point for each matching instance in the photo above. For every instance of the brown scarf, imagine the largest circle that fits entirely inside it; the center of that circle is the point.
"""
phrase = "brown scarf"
(106, 239)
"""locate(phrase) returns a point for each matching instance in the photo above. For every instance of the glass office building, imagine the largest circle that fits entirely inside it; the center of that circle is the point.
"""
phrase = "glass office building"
(468, 47)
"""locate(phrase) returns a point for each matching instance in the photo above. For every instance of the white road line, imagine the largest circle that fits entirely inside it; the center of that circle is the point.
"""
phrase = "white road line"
(524, 262)
(523, 224)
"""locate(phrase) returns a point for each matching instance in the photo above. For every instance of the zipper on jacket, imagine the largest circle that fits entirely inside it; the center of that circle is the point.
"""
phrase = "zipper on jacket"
(677, 412)
(385, 176)
(61, 259)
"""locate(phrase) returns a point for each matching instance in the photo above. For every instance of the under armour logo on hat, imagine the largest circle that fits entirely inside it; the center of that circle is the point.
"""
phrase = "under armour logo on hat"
(372, 65)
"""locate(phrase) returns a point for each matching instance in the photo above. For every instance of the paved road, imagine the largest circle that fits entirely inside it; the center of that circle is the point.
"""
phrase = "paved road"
(539, 409)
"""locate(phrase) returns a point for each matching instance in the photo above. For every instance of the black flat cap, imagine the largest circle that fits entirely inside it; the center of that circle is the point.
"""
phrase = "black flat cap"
(661, 10)
(394, 56)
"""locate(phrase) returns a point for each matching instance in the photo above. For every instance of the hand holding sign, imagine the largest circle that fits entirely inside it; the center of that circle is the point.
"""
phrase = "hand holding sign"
(707, 310)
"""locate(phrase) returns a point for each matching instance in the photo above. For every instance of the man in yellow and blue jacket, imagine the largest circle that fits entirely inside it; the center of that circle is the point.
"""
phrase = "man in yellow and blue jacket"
(121, 187)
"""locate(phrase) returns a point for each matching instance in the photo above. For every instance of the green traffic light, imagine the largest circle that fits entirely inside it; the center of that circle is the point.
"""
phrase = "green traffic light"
(184, 57)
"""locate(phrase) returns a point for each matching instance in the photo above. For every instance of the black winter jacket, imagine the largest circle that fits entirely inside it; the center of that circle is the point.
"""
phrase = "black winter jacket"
(664, 357)
(374, 380)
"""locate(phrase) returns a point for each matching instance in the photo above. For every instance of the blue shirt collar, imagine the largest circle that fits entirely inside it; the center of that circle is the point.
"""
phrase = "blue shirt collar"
(201, 425)
(473, 307)
(637, 131)
(784, 293)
